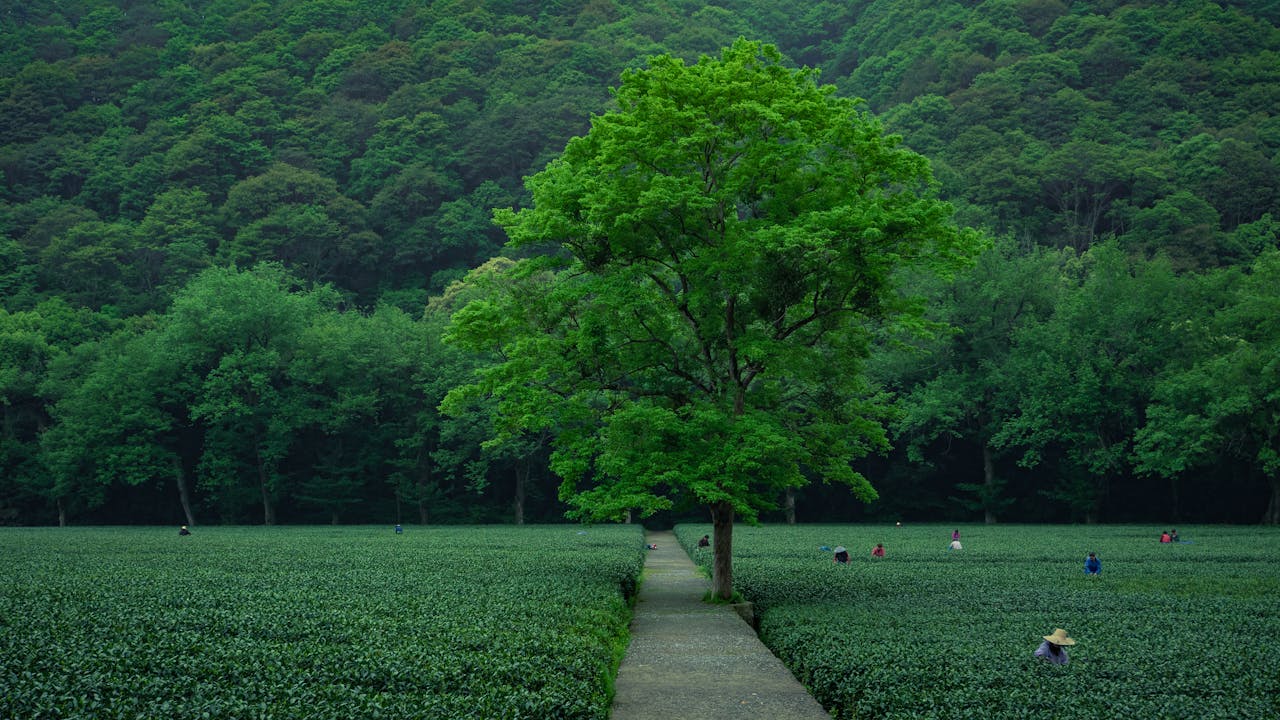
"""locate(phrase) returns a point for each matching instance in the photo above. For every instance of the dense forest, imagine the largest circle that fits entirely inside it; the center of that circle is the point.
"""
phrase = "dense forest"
(233, 233)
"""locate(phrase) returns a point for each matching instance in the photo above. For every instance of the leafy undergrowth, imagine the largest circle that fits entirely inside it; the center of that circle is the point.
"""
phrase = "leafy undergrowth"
(485, 622)
(1181, 631)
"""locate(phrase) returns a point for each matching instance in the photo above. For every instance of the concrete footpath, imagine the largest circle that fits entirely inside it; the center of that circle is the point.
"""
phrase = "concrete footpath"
(695, 660)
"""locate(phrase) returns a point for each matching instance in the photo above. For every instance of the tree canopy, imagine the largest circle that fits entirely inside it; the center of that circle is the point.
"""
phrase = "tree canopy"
(730, 237)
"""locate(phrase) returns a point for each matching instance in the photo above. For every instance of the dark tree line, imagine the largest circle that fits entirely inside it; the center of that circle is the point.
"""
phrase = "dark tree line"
(231, 235)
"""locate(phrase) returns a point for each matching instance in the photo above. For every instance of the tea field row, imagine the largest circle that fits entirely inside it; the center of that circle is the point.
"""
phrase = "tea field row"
(488, 622)
(1168, 631)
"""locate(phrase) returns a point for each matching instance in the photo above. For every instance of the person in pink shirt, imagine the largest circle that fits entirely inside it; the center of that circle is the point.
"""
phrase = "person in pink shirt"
(878, 550)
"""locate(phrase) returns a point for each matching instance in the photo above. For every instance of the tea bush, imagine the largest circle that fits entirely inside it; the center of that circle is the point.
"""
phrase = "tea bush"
(1168, 631)
(486, 622)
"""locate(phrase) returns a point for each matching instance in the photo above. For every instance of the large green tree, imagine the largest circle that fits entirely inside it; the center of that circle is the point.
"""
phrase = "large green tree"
(464, 446)
(358, 378)
(1221, 401)
(117, 426)
(43, 353)
(726, 240)
(1084, 376)
(234, 335)
(956, 388)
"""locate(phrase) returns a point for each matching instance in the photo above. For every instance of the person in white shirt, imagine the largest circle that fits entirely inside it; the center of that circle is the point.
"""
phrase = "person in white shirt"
(1053, 649)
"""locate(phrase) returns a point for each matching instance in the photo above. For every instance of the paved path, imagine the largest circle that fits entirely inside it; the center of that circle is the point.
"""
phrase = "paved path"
(695, 660)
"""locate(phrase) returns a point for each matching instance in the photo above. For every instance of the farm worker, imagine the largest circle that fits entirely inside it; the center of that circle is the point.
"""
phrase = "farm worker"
(1052, 649)
(1092, 565)
(878, 550)
(399, 530)
(841, 556)
(1173, 536)
(705, 541)
(955, 534)
(1165, 537)
(955, 545)
(183, 530)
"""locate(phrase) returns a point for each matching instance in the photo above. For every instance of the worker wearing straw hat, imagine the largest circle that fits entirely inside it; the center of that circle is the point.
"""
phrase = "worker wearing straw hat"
(1054, 646)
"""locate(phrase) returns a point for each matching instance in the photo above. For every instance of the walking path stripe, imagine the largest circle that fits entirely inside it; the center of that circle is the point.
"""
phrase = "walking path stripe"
(696, 660)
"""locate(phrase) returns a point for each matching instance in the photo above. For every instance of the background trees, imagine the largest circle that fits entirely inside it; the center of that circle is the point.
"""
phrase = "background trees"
(362, 146)
(1218, 400)
(1084, 377)
(962, 385)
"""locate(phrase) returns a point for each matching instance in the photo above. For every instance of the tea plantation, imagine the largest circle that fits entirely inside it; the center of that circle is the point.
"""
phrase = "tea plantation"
(1184, 631)
(314, 622)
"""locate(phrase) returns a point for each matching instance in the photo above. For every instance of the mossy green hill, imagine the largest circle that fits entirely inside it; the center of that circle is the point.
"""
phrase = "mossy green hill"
(314, 175)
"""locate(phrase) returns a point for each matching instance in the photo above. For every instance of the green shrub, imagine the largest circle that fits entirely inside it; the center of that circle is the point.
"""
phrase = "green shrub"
(313, 623)
(1182, 631)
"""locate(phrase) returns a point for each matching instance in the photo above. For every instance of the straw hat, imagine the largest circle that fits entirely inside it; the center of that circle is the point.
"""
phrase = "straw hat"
(840, 549)
(1059, 637)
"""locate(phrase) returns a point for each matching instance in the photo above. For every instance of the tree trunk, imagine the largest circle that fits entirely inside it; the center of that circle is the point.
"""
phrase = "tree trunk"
(268, 510)
(422, 503)
(627, 519)
(522, 477)
(722, 542)
(62, 513)
(1272, 515)
(184, 494)
(988, 479)
(789, 506)
(333, 517)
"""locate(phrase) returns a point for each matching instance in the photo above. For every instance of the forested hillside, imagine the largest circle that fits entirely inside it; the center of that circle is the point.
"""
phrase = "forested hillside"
(230, 233)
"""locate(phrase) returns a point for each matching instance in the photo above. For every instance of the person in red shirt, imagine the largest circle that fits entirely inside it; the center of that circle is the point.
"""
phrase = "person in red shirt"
(878, 550)
(1165, 538)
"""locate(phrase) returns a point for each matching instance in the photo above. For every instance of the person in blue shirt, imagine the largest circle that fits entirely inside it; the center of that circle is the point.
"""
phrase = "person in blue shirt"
(1092, 565)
